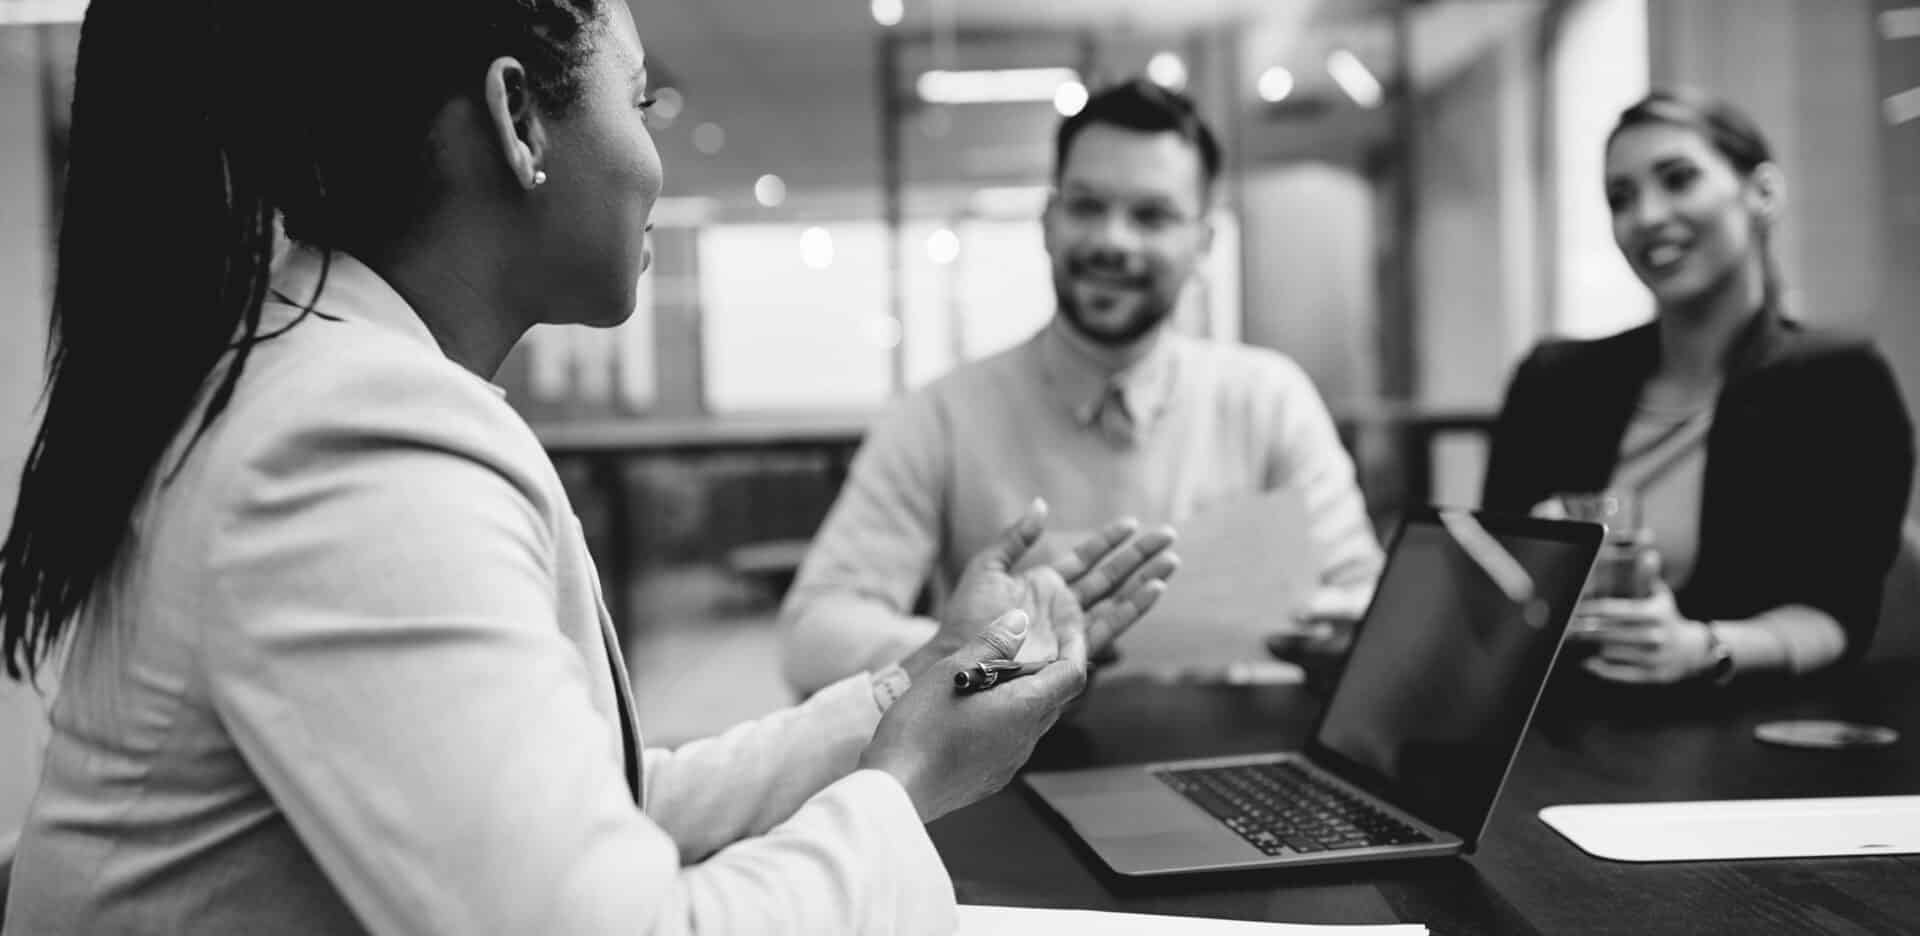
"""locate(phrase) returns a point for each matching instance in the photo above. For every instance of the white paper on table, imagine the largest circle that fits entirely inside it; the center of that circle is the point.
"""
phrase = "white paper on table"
(1028, 921)
(1729, 830)
(1245, 564)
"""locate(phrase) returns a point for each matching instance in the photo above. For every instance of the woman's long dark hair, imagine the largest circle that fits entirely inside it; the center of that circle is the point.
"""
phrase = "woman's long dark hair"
(196, 126)
(1733, 135)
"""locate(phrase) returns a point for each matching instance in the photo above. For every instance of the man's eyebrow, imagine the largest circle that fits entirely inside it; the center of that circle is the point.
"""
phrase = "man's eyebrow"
(1155, 199)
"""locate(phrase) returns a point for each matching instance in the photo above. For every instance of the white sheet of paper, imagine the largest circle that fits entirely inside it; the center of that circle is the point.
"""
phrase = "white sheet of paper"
(1027, 921)
(1245, 563)
(1726, 830)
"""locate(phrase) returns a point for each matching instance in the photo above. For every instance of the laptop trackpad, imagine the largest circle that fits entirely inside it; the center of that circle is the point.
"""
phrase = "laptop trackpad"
(1124, 802)
(1132, 815)
(1138, 825)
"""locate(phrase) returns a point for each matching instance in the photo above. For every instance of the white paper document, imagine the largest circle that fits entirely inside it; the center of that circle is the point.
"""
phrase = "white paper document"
(1245, 563)
(1028, 921)
(1725, 830)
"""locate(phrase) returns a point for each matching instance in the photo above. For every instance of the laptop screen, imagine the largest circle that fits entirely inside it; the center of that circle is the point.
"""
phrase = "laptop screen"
(1446, 667)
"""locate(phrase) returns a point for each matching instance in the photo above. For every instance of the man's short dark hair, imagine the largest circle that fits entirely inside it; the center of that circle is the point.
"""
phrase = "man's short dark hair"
(1141, 105)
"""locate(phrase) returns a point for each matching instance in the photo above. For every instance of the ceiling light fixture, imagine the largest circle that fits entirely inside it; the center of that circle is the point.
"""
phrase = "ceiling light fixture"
(770, 190)
(1352, 76)
(943, 246)
(1167, 70)
(668, 103)
(1071, 97)
(994, 86)
(816, 248)
(1275, 85)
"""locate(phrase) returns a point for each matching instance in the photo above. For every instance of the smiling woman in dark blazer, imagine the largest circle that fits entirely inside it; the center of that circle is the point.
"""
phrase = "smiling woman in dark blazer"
(1773, 459)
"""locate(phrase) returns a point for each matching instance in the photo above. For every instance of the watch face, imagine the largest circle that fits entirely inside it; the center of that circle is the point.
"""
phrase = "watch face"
(1721, 669)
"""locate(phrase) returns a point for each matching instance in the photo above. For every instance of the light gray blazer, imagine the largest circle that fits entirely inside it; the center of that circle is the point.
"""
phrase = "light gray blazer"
(352, 674)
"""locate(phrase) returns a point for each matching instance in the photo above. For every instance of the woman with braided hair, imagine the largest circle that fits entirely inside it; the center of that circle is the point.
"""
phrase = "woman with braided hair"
(334, 655)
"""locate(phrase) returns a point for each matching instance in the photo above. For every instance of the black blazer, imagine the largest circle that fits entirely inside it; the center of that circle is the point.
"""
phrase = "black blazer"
(1809, 462)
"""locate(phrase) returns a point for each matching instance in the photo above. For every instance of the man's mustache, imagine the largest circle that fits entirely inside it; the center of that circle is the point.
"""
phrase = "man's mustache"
(1109, 267)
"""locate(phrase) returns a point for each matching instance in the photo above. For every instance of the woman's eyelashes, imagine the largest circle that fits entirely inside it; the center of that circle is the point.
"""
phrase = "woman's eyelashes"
(1620, 197)
(1679, 178)
(1674, 180)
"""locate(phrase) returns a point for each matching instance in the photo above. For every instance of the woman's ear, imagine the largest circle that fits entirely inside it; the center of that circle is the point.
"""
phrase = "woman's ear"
(520, 137)
(1766, 192)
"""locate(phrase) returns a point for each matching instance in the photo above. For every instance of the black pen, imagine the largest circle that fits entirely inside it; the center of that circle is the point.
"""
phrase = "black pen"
(989, 673)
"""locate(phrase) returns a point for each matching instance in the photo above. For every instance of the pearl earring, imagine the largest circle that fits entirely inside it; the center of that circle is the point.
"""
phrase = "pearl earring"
(539, 177)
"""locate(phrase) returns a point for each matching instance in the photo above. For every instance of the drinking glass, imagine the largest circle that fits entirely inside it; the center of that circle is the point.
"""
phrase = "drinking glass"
(1628, 565)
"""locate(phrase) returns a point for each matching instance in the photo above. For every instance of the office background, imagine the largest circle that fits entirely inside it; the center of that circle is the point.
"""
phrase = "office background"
(1412, 199)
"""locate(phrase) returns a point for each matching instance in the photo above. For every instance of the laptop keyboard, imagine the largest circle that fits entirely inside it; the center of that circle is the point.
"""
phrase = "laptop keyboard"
(1280, 808)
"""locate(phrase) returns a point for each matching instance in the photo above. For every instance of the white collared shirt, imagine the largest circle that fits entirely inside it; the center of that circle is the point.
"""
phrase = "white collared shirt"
(950, 466)
(1080, 379)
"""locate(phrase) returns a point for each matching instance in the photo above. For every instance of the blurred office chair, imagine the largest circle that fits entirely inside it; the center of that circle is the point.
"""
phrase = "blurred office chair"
(769, 565)
(1898, 636)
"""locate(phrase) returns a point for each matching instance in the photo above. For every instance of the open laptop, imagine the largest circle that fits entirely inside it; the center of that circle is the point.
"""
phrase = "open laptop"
(1415, 741)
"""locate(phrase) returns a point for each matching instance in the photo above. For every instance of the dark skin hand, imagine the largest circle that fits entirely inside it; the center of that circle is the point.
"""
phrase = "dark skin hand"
(1110, 579)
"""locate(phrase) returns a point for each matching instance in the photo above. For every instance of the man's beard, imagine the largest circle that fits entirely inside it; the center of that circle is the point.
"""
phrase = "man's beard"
(1148, 312)
(1147, 309)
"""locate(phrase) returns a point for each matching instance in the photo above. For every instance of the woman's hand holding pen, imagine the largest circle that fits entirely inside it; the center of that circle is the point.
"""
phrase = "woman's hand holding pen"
(950, 749)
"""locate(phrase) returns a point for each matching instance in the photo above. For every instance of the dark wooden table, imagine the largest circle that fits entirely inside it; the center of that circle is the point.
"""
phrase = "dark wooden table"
(1524, 878)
